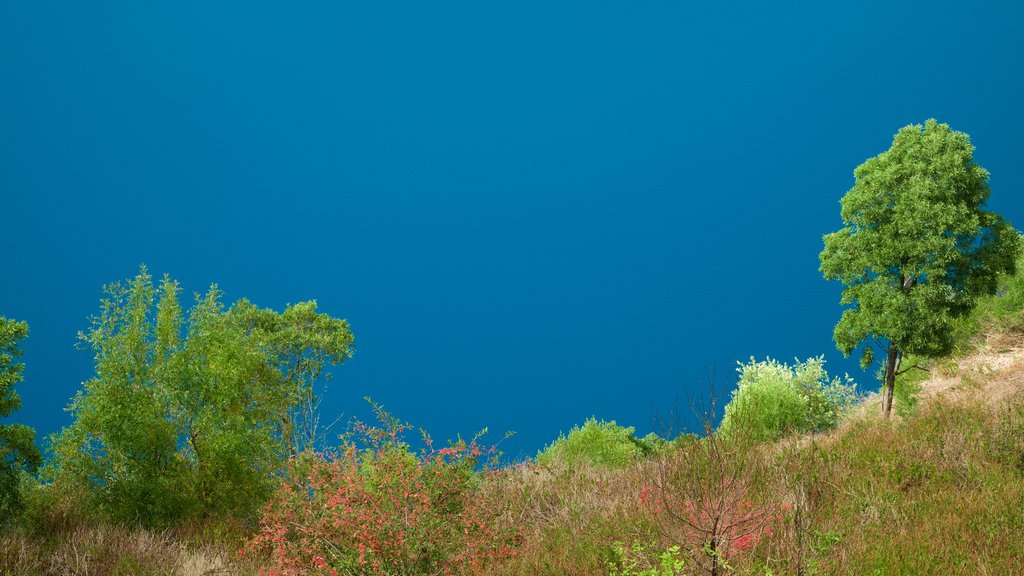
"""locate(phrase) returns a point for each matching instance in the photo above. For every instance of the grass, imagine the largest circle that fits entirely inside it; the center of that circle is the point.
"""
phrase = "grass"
(934, 494)
(940, 491)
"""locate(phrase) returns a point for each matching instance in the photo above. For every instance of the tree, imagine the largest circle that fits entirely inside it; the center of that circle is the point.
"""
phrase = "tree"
(18, 451)
(917, 249)
(182, 417)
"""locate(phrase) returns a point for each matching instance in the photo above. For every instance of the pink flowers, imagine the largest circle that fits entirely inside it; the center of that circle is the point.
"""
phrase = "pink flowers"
(645, 495)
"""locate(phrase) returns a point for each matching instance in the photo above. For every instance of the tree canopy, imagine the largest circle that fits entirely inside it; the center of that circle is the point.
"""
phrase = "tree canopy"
(917, 249)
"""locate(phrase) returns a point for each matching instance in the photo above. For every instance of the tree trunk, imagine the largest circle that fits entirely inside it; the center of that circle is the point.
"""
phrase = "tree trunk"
(713, 550)
(287, 436)
(891, 362)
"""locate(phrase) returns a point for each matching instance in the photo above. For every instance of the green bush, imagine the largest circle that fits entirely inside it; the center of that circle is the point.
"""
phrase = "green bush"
(635, 561)
(774, 399)
(600, 443)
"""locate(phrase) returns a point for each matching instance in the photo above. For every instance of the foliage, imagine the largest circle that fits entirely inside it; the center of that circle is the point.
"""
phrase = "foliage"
(917, 249)
(183, 417)
(599, 443)
(379, 508)
(774, 399)
(18, 452)
(935, 492)
(634, 561)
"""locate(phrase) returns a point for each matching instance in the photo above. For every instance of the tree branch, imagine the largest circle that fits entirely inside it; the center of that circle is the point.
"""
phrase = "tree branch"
(911, 368)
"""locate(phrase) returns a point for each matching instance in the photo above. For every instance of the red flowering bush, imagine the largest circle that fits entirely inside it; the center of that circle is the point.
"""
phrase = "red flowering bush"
(706, 496)
(378, 508)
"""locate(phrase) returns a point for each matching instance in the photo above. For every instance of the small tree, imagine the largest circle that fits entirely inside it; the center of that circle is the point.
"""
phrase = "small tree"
(708, 498)
(917, 249)
(18, 451)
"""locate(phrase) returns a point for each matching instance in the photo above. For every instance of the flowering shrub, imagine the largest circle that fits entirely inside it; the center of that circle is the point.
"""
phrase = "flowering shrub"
(774, 399)
(717, 528)
(378, 508)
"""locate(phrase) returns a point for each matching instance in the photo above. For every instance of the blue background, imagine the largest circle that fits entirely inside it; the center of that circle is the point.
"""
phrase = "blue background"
(531, 212)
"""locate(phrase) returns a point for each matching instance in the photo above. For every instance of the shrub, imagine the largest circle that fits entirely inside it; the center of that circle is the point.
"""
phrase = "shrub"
(774, 399)
(599, 443)
(636, 561)
(379, 508)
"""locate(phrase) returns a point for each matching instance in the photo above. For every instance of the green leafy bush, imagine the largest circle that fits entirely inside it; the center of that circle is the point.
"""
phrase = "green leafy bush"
(774, 399)
(636, 561)
(600, 443)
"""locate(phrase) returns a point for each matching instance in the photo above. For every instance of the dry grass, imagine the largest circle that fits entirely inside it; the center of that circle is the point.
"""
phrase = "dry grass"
(112, 550)
(994, 371)
(572, 515)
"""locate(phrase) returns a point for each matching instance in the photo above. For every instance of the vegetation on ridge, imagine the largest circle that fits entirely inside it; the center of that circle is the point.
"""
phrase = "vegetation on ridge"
(196, 448)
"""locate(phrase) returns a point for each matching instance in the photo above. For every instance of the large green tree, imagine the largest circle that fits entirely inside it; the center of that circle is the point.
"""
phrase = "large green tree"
(183, 415)
(917, 249)
(18, 451)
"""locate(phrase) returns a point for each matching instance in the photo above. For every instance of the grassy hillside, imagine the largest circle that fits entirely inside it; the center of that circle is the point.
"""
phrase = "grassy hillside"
(937, 490)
